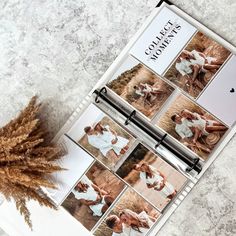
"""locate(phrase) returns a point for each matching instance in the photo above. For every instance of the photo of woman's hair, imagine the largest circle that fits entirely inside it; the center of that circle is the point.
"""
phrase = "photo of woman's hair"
(151, 176)
(137, 222)
(131, 215)
(101, 136)
(192, 126)
(104, 137)
(93, 195)
(141, 88)
(197, 64)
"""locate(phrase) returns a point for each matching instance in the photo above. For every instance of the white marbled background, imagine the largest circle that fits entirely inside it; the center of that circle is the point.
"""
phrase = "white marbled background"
(58, 49)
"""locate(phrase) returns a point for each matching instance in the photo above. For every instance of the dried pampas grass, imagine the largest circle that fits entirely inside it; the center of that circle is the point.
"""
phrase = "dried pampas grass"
(27, 160)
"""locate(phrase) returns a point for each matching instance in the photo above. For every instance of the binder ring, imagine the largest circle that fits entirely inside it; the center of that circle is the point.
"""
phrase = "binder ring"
(196, 160)
(103, 89)
(160, 142)
(133, 113)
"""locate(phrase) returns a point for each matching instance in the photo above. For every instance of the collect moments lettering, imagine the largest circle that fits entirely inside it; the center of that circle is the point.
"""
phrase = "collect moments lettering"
(162, 40)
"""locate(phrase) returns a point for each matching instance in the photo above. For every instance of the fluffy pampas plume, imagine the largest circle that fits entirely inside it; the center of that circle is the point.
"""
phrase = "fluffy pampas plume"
(27, 160)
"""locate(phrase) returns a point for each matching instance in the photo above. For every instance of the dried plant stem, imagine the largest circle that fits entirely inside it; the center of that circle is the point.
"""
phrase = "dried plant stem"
(26, 160)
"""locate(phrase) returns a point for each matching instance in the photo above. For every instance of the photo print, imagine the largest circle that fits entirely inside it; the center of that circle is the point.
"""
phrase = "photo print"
(140, 87)
(93, 195)
(101, 136)
(151, 176)
(131, 216)
(197, 64)
(76, 161)
(192, 126)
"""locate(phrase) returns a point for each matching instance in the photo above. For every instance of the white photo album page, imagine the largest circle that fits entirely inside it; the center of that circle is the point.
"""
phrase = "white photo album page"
(181, 81)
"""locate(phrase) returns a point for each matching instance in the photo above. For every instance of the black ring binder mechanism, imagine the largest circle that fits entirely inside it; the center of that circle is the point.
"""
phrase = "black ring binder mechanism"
(160, 142)
(130, 117)
(196, 161)
(166, 1)
(98, 95)
(143, 132)
(192, 163)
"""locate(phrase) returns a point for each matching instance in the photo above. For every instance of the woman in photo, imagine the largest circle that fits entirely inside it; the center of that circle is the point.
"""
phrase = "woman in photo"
(190, 64)
(129, 223)
(118, 228)
(106, 140)
(155, 180)
(92, 196)
(187, 60)
(191, 126)
(148, 92)
(184, 66)
(138, 224)
(188, 132)
(205, 125)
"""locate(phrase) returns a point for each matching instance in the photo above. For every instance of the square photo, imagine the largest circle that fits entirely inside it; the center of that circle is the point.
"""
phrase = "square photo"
(192, 126)
(101, 136)
(131, 216)
(197, 64)
(93, 195)
(151, 176)
(140, 87)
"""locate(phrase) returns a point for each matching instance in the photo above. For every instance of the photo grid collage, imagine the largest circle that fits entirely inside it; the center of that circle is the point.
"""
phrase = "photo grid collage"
(116, 185)
(122, 187)
(169, 78)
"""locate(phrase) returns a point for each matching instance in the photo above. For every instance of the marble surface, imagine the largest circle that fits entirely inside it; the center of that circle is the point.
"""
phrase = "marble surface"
(2, 233)
(58, 49)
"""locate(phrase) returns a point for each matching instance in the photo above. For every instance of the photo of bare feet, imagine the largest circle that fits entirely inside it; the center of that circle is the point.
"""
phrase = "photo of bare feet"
(101, 136)
(141, 88)
(131, 216)
(197, 64)
(151, 176)
(93, 195)
(192, 126)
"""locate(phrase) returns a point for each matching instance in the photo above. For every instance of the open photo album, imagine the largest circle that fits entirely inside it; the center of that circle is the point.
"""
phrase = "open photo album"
(150, 128)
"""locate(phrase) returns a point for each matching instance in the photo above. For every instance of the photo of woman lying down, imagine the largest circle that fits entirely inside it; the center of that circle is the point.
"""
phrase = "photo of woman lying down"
(197, 64)
(191, 63)
(192, 126)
